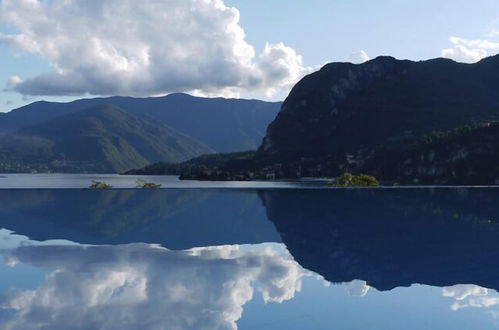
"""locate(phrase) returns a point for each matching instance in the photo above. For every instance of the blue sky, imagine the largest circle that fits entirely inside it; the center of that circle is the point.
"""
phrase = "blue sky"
(329, 30)
(210, 56)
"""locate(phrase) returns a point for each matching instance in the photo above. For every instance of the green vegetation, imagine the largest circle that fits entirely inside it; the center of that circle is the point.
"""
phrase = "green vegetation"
(436, 137)
(99, 185)
(350, 180)
(147, 185)
(102, 139)
(202, 165)
(464, 155)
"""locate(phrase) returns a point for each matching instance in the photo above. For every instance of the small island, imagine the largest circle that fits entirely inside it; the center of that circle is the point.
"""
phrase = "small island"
(350, 180)
(99, 185)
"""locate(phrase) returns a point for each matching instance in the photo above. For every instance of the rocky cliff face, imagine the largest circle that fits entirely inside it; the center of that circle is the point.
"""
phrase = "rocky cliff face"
(346, 109)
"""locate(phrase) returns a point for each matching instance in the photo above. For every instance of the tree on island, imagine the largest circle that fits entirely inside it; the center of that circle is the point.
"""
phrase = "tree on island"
(147, 185)
(99, 185)
(350, 180)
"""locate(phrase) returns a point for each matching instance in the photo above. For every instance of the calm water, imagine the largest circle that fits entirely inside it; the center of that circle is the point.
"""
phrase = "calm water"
(78, 181)
(249, 259)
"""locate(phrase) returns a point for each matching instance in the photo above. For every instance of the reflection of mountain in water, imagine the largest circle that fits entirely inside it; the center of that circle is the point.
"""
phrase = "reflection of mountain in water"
(174, 218)
(387, 237)
(392, 237)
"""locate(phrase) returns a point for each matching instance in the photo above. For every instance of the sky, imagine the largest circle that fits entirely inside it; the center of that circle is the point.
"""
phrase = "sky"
(60, 50)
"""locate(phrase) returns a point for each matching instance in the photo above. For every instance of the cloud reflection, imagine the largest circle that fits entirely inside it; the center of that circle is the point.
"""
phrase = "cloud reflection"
(469, 295)
(145, 286)
(357, 288)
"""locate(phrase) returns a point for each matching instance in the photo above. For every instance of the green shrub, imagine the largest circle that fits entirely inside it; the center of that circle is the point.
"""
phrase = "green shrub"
(99, 185)
(350, 180)
(147, 185)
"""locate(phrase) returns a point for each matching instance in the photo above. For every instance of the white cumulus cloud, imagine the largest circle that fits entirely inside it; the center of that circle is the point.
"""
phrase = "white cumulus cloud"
(147, 47)
(358, 57)
(470, 51)
(12, 82)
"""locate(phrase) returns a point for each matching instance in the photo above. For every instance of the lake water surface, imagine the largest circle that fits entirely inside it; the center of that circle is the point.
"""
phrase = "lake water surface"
(79, 181)
(249, 258)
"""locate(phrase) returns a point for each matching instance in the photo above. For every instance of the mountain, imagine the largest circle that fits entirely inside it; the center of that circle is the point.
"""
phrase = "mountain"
(347, 108)
(432, 121)
(99, 139)
(220, 167)
(466, 155)
(224, 125)
(349, 117)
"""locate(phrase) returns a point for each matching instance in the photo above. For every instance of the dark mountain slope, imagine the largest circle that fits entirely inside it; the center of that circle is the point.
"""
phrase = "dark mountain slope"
(100, 139)
(346, 108)
(222, 124)
(468, 155)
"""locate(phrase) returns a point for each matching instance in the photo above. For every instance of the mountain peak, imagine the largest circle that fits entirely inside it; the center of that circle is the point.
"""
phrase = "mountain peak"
(343, 113)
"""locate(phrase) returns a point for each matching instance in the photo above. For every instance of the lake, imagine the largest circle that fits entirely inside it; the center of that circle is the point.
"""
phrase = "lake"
(250, 258)
(78, 181)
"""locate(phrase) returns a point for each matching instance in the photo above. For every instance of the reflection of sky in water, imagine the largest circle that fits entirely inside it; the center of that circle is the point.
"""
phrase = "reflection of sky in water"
(139, 286)
(144, 286)
(10, 240)
(22, 275)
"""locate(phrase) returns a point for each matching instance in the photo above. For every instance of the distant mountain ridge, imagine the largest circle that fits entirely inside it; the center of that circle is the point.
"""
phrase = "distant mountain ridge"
(225, 125)
(100, 139)
(46, 136)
